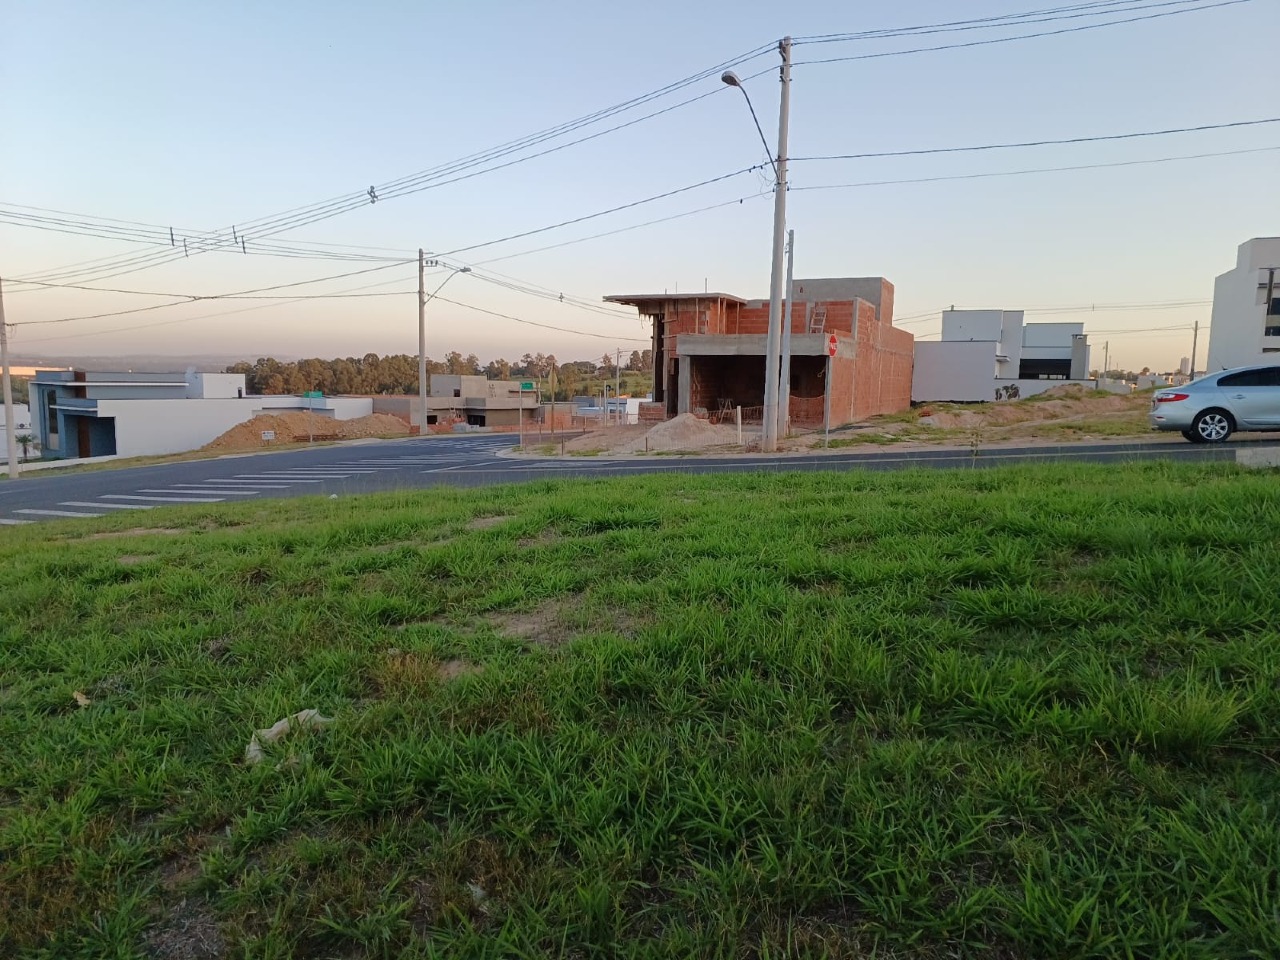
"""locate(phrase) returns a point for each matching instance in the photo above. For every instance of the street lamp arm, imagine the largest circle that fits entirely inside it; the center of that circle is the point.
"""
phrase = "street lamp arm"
(446, 280)
(732, 80)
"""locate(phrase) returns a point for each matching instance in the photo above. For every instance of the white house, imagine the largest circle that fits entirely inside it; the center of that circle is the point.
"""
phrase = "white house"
(77, 413)
(1246, 308)
(992, 354)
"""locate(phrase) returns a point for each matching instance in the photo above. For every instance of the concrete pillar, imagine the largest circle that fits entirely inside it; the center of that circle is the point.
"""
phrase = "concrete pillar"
(685, 402)
(1079, 357)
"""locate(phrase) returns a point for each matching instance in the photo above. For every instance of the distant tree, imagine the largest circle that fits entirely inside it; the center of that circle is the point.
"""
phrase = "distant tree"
(498, 370)
(636, 362)
(646, 361)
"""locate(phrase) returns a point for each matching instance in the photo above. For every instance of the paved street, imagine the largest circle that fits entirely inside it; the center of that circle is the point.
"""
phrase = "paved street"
(474, 461)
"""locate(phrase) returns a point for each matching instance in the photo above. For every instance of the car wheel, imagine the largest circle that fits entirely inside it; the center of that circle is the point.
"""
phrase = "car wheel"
(1212, 426)
(1190, 435)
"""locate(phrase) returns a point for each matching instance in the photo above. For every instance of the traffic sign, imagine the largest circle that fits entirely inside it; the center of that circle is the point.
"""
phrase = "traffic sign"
(313, 394)
(832, 344)
(526, 385)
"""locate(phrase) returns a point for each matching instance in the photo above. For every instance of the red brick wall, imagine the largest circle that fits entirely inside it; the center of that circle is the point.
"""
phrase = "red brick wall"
(882, 374)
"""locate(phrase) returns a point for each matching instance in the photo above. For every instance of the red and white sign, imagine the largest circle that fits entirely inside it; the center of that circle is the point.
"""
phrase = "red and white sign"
(831, 345)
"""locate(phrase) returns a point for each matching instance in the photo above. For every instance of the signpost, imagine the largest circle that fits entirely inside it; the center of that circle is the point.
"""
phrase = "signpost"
(832, 345)
(311, 395)
(524, 385)
(268, 436)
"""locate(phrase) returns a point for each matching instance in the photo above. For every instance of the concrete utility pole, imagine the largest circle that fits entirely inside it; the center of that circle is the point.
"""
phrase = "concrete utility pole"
(10, 422)
(1106, 358)
(617, 384)
(1195, 336)
(422, 344)
(784, 384)
(769, 437)
(422, 327)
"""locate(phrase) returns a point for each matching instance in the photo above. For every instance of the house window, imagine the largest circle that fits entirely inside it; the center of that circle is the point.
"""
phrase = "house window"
(457, 393)
(51, 418)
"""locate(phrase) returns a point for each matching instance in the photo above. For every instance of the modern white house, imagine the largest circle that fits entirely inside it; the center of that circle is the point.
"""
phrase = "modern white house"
(994, 354)
(78, 413)
(1246, 308)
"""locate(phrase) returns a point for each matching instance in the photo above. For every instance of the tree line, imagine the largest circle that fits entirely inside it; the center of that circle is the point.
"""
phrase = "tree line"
(398, 373)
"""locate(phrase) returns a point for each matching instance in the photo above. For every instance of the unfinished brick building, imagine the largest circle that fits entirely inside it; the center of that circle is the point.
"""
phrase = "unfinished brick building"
(708, 351)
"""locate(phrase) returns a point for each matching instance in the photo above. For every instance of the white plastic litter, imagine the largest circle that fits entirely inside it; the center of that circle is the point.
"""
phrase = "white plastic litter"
(305, 719)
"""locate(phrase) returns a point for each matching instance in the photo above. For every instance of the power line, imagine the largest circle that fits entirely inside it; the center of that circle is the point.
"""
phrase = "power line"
(191, 298)
(1022, 36)
(1019, 173)
(545, 326)
(1071, 12)
(301, 216)
(1043, 143)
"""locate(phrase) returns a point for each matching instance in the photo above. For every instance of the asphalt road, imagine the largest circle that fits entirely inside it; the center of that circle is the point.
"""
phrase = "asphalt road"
(473, 460)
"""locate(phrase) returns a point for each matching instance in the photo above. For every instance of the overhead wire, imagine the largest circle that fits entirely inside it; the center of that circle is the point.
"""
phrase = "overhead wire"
(1022, 36)
(1032, 170)
(977, 148)
(1048, 15)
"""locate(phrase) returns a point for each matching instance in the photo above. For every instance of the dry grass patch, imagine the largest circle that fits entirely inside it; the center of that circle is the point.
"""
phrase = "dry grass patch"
(133, 532)
(485, 523)
(187, 931)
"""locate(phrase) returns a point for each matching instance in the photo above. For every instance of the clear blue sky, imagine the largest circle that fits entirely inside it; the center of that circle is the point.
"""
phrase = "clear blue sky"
(206, 114)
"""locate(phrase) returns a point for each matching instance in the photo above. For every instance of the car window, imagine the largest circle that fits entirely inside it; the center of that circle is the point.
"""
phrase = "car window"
(1261, 377)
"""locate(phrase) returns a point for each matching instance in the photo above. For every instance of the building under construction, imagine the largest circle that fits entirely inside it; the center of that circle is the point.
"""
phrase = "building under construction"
(709, 352)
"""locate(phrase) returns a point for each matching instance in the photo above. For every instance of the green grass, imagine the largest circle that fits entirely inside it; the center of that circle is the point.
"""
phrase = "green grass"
(1017, 713)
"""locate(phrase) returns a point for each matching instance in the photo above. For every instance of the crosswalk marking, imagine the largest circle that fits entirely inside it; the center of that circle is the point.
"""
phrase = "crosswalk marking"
(108, 506)
(58, 513)
(254, 476)
(231, 493)
(128, 496)
(255, 484)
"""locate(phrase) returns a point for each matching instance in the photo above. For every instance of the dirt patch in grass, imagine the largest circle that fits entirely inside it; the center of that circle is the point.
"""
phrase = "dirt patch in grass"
(389, 547)
(407, 673)
(453, 669)
(543, 539)
(554, 623)
(133, 559)
(485, 523)
(543, 625)
(133, 532)
(187, 931)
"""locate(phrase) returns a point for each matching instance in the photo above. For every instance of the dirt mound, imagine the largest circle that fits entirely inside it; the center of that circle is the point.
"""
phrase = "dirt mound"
(289, 427)
(1068, 401)
(685, 432)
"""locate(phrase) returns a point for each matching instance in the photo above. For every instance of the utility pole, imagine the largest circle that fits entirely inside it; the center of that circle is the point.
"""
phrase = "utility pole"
(769, 431)
(1195, 336)
(10, 423)
(1106, 358)
(784, 384)
(422, 344)
(617, 381)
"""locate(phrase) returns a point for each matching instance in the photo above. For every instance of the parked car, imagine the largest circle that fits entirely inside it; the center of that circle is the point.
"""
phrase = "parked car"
(1212, 408)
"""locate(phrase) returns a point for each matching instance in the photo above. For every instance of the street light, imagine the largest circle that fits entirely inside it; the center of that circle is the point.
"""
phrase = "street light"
(772, 361)
(423, 263)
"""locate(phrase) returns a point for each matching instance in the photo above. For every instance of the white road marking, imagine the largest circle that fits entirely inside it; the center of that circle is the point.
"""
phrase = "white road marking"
(108, 506)
(229, 493)
(253, 476)
(254, 484)
(59, 513)
(126, 496)
(5, 521)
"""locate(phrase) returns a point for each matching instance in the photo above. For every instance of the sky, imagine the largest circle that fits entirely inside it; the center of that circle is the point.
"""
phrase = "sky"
(200, 116)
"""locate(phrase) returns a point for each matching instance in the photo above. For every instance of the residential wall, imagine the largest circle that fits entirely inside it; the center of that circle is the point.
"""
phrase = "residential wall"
(957, 371)
(1237, 334)
(150, 427)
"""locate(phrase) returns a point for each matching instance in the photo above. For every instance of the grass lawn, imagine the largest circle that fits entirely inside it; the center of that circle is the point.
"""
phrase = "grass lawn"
(1016, 713)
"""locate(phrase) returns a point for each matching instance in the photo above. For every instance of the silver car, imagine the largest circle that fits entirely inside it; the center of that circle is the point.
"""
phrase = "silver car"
(1212, 408)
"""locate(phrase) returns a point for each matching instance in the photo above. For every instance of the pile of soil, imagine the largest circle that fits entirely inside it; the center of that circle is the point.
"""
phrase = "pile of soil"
(1069, 401)
(685, 432)
(292, 426)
